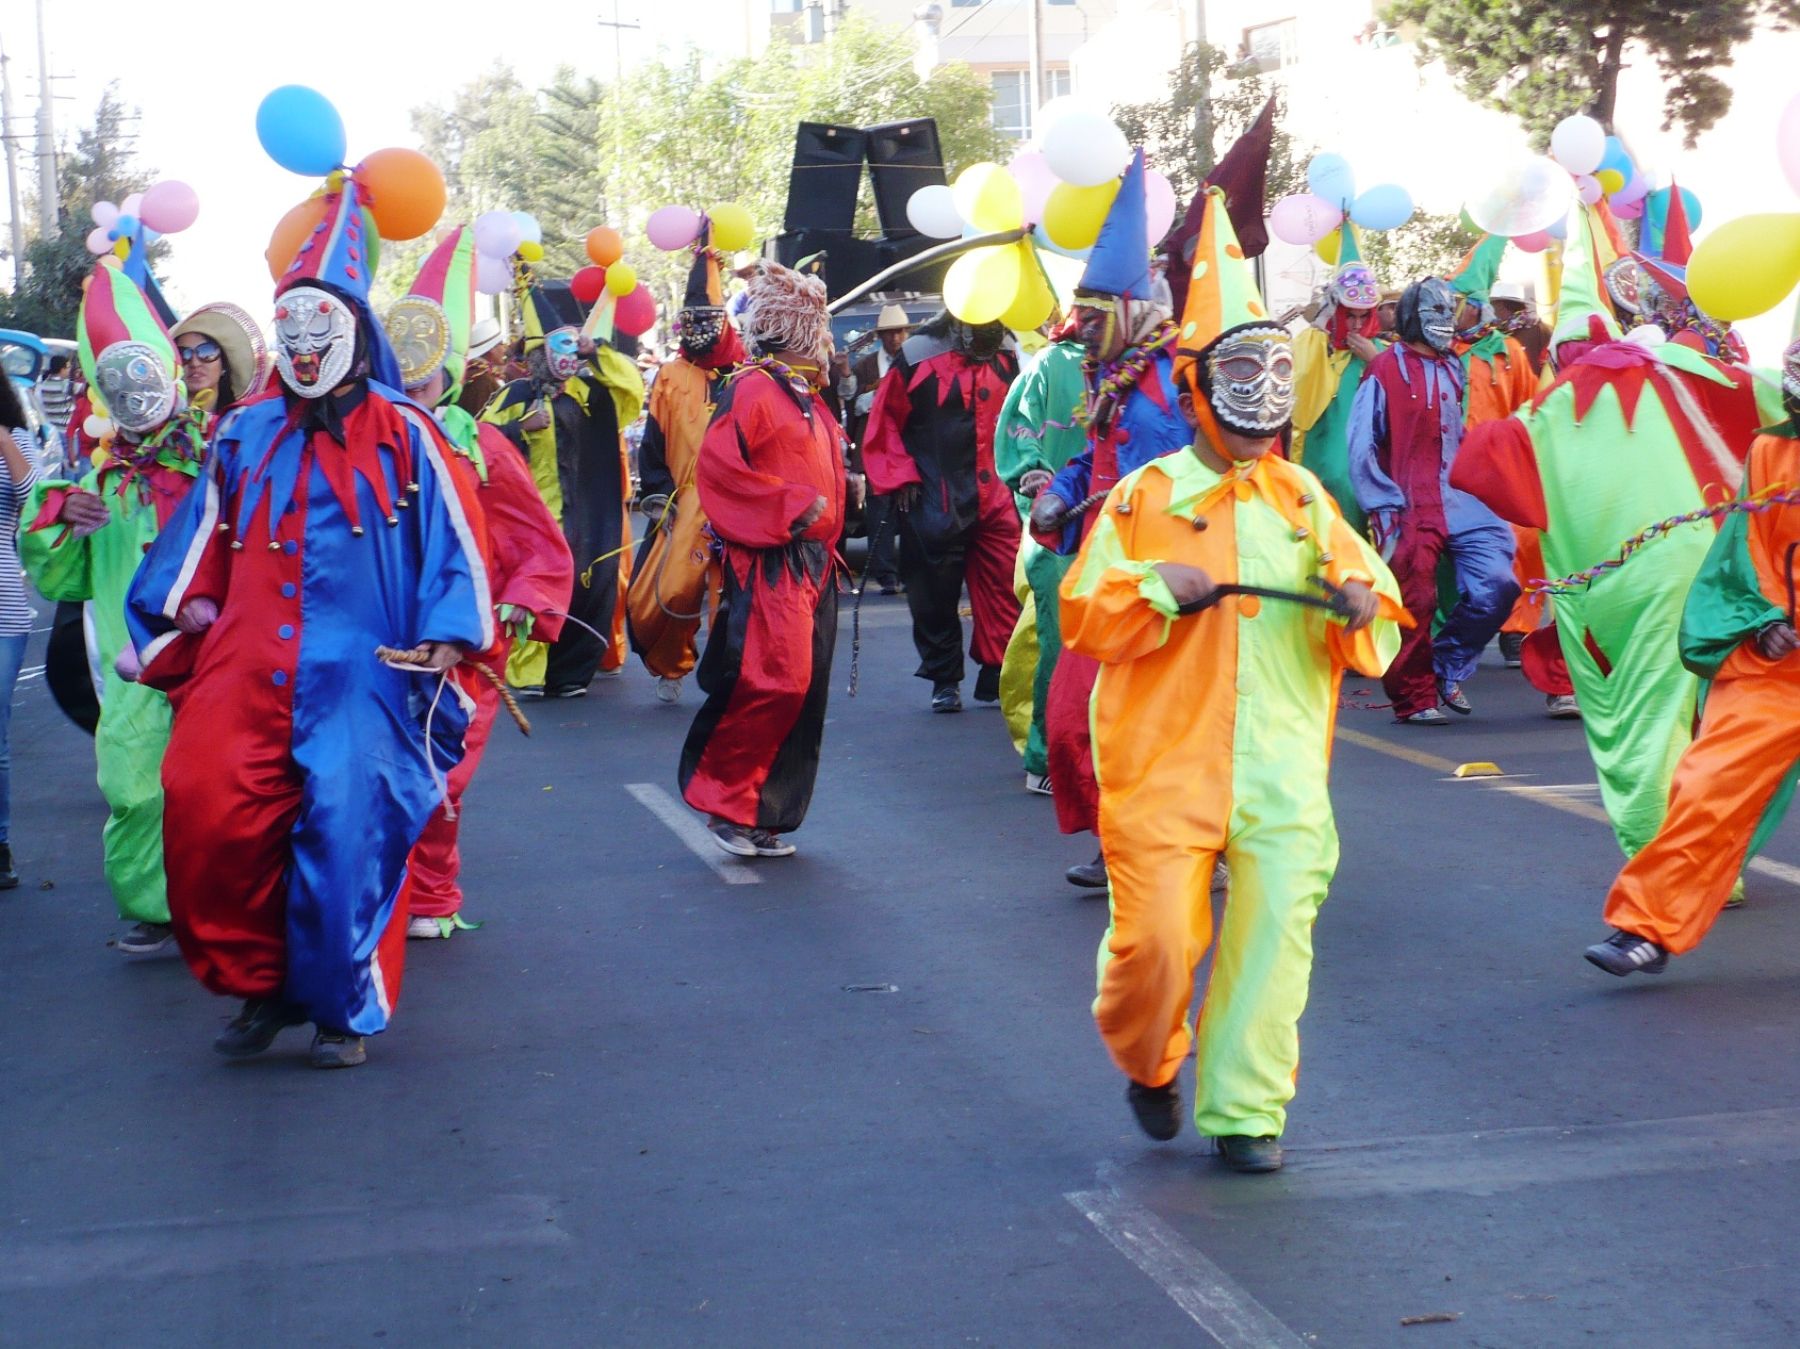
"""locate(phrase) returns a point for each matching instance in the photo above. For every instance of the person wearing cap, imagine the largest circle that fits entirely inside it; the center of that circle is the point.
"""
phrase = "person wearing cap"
(1627, 435)
(486, 373)
(1212, 729)
(1331, 353)
(224, 359)
(676, 580)
(530, 571)
(1514, 313)
(892, 328)
(327, 523)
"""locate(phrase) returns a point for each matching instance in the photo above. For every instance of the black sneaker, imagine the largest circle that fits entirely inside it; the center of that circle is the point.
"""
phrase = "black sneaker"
(733, 838)
(527, 693)
(1221, 878)
(1627, 953)
(567, 691)
(770, 844)
(889, 585)
(254, 1029)
(1088, 875)
(337, 1049)
(946, 698)
(1512, 644)
(987, 684)
(1242, 1152)
(1450, 694)
(145, 939)
(1156, 1109)
(9, 878)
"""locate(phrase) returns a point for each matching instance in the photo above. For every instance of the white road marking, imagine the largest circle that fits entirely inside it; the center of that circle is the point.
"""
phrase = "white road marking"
(1214, 1301)
(686, 826)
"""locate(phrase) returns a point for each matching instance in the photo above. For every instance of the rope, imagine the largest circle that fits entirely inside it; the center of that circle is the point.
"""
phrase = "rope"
(570, 618)
(416, 656)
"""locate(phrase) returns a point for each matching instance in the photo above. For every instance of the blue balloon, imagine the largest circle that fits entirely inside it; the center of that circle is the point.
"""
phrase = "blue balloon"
(1331, 177)
(1616, 158)
(1558, 229)
(125, 227)
(1656, 218)
(1044, 241)
(300, 130)
(1385, 206)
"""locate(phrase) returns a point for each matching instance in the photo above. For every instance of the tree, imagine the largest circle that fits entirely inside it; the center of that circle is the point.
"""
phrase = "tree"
(1426, 245)
(1541, 60)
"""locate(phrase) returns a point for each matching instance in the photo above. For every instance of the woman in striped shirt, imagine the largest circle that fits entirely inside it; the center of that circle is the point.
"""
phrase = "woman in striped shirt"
(17, 476)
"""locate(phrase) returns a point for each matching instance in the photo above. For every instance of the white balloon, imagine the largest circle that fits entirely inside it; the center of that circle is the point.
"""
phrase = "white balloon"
(1578, 144)
(1522, 196)
(932, 212)
(529, 229)
(104, 213)
(492, 275)
(96, 427)
(1086, 149)
(497, 234)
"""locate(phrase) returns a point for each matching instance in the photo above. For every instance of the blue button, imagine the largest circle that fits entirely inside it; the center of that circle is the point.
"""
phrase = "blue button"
(286, 630)
(290, 547)
(287, 590)
(279, 677)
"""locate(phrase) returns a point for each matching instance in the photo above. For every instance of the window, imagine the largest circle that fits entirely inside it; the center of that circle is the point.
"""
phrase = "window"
(1012, 98)
(1270, 46)
(966, 4)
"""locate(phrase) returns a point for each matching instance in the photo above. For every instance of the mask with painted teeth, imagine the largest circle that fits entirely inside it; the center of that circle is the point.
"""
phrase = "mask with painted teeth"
(315, 340)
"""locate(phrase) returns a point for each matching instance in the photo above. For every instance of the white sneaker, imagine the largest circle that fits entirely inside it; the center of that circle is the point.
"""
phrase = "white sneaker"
(1038, 783)
(1562, 707)
(421, 928)
(668, 690)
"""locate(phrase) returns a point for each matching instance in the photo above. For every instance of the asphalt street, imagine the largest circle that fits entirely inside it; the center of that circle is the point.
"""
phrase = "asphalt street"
(856, 1097)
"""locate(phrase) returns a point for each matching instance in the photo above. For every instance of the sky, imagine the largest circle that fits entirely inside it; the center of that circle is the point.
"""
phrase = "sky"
(197, 75)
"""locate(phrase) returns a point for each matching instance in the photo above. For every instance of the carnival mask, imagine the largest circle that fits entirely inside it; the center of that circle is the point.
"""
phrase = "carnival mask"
(1427, 314)
(980, 341)
(562, 352)
(1353, 287)
(315, 340)
(1790, 378)
(137, 386)
(419, 332)
(699, 330)
(1250, 379)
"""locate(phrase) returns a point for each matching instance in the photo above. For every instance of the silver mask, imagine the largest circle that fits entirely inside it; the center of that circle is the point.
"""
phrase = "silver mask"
(1790, 376)
(315, 340)
(137, 386)
(1250, 380)
(562, 352)
(1437, 314)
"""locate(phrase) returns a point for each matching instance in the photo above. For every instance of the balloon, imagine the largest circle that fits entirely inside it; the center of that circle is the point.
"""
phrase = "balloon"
(1034, 300)
(621, 279)
(300, 130)
(1630, 210)
(932, 212)
(673, 227)
(1635, 190)
(987, 197)
(1329, 247)
(1656, 208)
(1535, 242)
(1159, 206)
(1031, 171)
(1610, 181)
(1578, 143)
(604, 246)
(124, 227)
(1086, 149)
(1746, 266)
(292, 230)
(404, 191)
(104, 213)
(132, 204)
(1559, 230)
(1616, 157)
(1073, 215)
(531, 251)
(636, 314)
(1330, 177)
(497, 234)
(587, 284)
(96, 427)
(1043, 240)
(492, 275)
(1588, 188)
(1385, 206)
(1787, 142)
(982, 284)
(1304, 219)
(169, 206)
(529, 229)
(98, 242)
(732, 227)
(1525, 194)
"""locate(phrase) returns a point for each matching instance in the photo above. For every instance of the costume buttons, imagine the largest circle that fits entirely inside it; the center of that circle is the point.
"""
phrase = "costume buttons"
(292, 546)
(1242, 491)
(288, 590)
(984, 394)
(286, 630)
(1249, 606)
(1122, 436)
(985, 476)
(278, 678)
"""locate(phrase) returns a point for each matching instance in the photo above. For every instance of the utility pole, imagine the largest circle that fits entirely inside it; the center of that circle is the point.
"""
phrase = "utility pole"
(49, 192)
(1034, 42)
(1203, 125)
(618, 26)
(12, 170)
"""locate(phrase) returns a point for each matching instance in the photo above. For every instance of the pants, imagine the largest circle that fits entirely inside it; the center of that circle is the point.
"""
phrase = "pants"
(1069, 740)
(1483, 559)
(436, 860)
(981, 555)
(881, 522)
(12, 656)
(577, 655)
(129, 745)
(1744, 754)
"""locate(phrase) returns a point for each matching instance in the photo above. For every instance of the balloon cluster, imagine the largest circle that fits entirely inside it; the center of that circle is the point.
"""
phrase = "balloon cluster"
(162, 208)
(403, 191)
(1749, 265)
(500, 236)
(611, 284)
(1313, 217)
(1601, 166)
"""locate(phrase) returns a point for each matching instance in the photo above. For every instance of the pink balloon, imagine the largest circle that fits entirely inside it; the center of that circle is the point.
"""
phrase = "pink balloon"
(99, 241)
(169, 206)
(1787, 141)
(673, 227)
(1588, 188)
(1635, 190)
(1159, 206)
(492, 275)
(636, 313)
(1535, 242)
(104, 213)
(1031, 171)
(1630, 210)
(1304, 219)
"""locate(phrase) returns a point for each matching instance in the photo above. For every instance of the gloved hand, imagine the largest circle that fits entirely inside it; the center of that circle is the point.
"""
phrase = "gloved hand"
(1384, 529)
(1034, 481)
(126, 665)
(521, 621)
(908, 496)
(1048, 512)
(84, 512)
(197, 615)
(440, 656)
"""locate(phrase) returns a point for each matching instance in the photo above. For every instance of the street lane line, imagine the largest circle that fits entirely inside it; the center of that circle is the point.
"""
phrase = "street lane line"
(1209, 1295)
(1545, 795)
(686, 826)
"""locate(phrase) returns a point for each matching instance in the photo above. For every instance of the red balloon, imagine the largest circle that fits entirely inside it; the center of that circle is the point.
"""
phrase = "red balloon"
(1535, 242)
(636, 313)
(587, 284)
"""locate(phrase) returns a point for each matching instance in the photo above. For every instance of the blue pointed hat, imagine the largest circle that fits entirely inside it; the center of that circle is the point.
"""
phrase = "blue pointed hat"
(342, 252)
(1120, 262)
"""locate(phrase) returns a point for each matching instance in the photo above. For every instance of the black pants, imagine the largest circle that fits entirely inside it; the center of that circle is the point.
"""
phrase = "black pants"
(881, 523)
(575, 656)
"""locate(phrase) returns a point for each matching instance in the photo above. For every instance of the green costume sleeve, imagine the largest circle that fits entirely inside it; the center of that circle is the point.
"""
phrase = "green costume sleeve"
(1019, 436)
(60, 571)
(1726, 606)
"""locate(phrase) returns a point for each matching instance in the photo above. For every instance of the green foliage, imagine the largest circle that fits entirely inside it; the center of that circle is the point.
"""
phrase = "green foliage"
(1541, 60)
(1426, 245)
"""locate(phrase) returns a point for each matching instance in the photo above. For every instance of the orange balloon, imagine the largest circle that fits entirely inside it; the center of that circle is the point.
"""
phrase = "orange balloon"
(403, 190)
(292, 230)
(605, 246)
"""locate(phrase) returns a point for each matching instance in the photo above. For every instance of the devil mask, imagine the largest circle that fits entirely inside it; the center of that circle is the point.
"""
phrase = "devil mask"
(315, 340)
(699, 330)
(137, 386)
(1427, 314)
(1250, 379)
(980, 341)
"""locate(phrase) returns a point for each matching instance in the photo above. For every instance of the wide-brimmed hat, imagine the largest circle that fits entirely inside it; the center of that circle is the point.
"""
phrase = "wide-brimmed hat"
(484, 336)
(246, 354)
(893, 319)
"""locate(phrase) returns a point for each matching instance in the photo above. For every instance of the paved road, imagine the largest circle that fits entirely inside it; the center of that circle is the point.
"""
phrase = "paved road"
(860, 1100)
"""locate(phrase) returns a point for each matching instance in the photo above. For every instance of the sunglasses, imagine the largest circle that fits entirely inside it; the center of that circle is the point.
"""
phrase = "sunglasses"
(203, 351)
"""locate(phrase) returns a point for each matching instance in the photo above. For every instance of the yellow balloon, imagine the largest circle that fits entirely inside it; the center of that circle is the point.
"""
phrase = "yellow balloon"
(732, 227)
(988, 197)
(532, 251)
(982, 284)
(621, 279)
(1073, 215)
(1746, 266)
(1034, 300)
(1610, 180)
(1329, 247)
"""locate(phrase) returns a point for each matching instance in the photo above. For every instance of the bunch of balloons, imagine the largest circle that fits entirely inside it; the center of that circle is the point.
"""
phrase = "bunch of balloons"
(167, 207)
(611, 285)
(1601, 166)
(677, 227)
(1313, 217)
(500, 236)
(1749, 265)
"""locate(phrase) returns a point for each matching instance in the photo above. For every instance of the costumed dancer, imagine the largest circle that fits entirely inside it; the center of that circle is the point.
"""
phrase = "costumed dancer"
(1213, 730)
(771, 481)
(82, 542)
(1133, 415)
(1733, 783)
(301, 769)
(566, 418)
(1330, 356)
(892, 327)
(676, 580)
(1041, 429)
(1627, 435)
(1406, 427)
(530, 571)
(930, 445)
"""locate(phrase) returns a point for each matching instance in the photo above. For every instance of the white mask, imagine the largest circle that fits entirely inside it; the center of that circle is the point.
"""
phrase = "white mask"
(315, 340)
(136, 385)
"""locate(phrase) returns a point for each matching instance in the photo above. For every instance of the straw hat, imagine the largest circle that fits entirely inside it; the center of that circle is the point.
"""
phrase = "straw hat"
(893, 319)
(246, 354)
